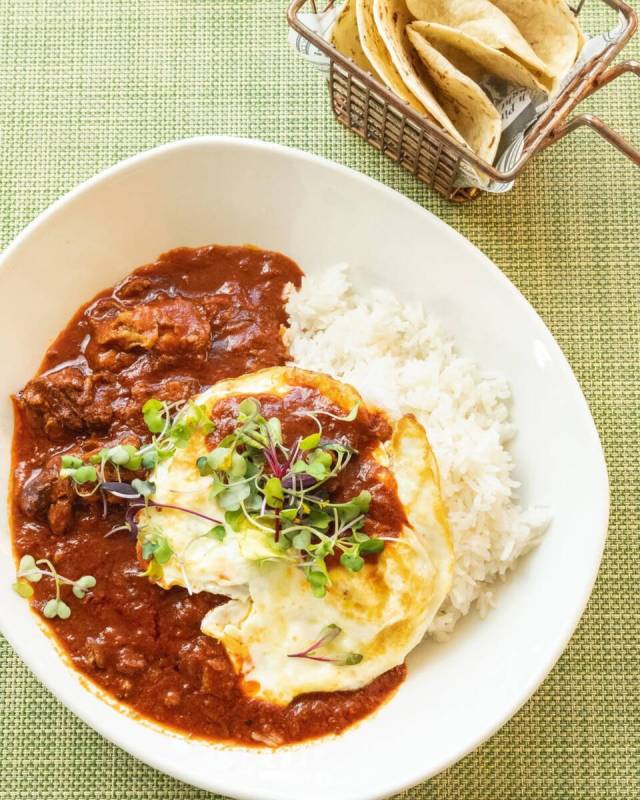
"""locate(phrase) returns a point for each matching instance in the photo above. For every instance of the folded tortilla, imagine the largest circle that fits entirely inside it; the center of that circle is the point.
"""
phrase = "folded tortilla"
(475, 117)
(550, 28)
(450, 96)
(391, 19)
(481, 58)
(345, 38)
(484, 23)
(377, 53)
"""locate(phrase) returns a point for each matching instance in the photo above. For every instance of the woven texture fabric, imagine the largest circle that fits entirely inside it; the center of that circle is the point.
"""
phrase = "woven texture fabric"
(85, 83)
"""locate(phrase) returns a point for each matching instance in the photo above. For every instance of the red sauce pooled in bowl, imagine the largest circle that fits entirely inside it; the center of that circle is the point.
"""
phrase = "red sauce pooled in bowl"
(168, 330)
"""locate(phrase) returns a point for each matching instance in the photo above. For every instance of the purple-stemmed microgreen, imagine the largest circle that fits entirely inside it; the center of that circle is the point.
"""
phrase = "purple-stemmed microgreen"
(137, 493)
(327, 635)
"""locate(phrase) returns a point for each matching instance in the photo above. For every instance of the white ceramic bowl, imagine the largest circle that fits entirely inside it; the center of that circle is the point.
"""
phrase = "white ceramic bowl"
(232, 191)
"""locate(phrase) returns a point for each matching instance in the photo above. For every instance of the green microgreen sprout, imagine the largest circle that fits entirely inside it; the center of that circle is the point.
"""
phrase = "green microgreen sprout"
(31, 571)
(327, 635)
(348, 417)
(144, 488)
(157, 551)
(157, 548)
(282, 491)
(310, 442)
(273, 492)
(218, 532)
(74, 468)
(154, 412)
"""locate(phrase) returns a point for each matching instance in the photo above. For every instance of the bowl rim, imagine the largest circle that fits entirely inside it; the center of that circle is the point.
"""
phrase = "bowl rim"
(75, 701)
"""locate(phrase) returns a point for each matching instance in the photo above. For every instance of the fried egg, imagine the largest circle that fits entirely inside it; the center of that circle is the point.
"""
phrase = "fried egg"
(381, 612)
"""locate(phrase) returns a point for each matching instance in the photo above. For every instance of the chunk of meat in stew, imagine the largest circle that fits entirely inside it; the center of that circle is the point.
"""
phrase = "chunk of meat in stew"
(170, 326)
(68, 400)
(173, 390)
(48, 497)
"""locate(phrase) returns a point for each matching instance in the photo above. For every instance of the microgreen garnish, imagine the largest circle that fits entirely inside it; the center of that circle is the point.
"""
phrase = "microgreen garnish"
(217, 532)
(327, 635)
(349, 417)
(31, 571)
(255, 479)
(138, 494)
(169, 433)
(158, 548)
(282, 490)
(74, 468)
(144, 488)
(153, 412)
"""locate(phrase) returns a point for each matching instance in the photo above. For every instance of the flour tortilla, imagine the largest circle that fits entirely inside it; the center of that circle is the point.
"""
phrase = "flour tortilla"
(391, 19)
(345, 38)
(481, 58)
(475, 117)
(551, 30)
(485, 23)
(376, 52)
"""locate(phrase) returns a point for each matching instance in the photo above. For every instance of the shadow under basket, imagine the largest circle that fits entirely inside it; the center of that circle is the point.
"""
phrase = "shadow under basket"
(370, 109)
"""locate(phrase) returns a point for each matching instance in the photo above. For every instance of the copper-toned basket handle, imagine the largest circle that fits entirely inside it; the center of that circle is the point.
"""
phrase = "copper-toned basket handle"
(595, 123)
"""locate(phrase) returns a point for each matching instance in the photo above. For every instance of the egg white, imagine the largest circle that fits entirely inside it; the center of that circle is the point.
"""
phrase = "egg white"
(383, 611)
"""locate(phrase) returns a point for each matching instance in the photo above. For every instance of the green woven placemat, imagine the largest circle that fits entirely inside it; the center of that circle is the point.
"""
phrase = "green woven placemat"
(84, 83)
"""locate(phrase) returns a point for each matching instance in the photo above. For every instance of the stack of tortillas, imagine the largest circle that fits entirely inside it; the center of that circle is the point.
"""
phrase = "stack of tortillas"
(434, 53)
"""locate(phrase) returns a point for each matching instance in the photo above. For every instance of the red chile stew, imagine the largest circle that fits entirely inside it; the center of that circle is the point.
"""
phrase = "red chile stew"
(167, 331)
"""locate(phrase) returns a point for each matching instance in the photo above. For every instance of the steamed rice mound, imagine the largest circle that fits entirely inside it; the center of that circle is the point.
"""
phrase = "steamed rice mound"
(400, 359)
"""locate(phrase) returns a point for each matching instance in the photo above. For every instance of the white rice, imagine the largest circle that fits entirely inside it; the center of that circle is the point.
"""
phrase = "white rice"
(401, 360)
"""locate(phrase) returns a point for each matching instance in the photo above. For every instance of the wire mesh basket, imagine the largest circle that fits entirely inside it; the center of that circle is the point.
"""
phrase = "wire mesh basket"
(370, 109)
